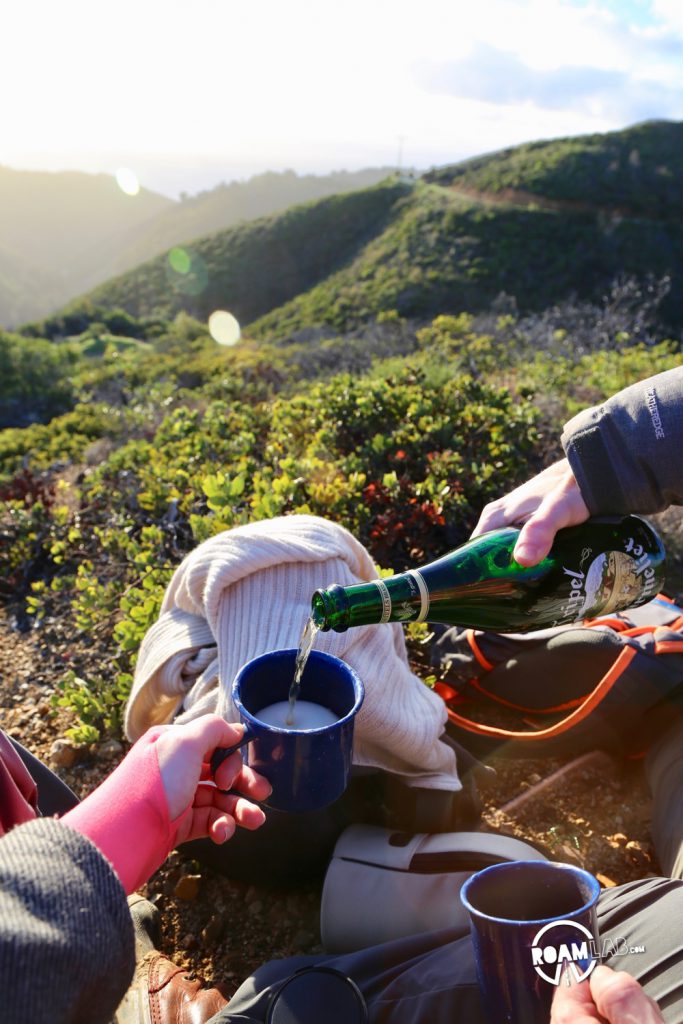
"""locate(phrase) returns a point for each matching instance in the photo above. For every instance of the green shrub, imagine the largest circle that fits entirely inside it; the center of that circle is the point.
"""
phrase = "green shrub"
(99, 507)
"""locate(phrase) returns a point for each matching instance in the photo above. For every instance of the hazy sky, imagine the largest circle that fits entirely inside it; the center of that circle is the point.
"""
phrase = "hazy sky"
(188, 94)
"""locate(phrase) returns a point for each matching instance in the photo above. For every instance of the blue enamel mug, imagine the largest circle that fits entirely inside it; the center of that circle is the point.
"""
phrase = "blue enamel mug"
(532, 923)
(307, 768)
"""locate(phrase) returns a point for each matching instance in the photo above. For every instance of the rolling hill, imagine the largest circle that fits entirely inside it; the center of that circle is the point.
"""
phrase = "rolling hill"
(259, 265)
(55, 231)
(539, 223)
(637, 172)
(63, 233)
(231, 204)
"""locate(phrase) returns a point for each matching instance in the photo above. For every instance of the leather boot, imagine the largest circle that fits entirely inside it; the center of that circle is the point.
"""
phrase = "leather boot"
(161, 992)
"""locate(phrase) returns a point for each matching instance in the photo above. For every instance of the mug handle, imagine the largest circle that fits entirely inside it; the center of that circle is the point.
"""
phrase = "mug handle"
(221, 753)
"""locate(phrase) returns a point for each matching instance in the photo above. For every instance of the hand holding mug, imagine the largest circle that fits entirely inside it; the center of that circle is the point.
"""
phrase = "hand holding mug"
(157, 795)
(183, 754)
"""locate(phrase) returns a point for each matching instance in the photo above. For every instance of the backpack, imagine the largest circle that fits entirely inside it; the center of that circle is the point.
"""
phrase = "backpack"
(383, 884)
(611, 683)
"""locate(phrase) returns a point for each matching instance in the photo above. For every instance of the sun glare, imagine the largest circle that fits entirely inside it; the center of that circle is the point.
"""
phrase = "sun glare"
(127, 181)
(224, 328)
(180, 260)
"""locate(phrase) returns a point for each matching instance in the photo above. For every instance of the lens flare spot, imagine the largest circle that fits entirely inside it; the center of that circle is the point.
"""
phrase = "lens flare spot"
(180, 260)
(224, 328)
(127, 181)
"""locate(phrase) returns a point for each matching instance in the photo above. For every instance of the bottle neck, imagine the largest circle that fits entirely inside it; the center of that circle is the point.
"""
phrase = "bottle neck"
(330, 609)
(400, 598)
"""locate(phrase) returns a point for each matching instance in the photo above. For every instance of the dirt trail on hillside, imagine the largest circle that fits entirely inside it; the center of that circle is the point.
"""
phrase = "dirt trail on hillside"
(530, 200)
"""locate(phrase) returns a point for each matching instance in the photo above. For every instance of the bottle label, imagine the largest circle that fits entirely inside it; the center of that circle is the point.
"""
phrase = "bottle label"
(611, 581)
(416, 575)
(386, 600)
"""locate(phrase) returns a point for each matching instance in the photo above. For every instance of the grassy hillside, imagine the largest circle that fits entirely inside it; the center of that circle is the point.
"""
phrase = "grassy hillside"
(539, 223)
(230, 204)
(257, 266)
(443, 252)
(638, 171)
(59, 219)
(26, 290)
(65, 232)
(132, 437)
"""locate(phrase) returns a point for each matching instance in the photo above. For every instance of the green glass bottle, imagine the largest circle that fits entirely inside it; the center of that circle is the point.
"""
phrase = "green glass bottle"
(593, 569)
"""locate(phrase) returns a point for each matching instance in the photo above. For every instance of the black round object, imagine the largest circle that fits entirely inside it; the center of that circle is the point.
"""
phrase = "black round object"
(317, 994)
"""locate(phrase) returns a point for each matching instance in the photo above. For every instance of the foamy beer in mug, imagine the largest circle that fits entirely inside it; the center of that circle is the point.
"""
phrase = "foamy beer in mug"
(307, 761)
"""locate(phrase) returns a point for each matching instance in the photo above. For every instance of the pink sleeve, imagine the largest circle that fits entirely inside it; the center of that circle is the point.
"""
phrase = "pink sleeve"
(127, 816)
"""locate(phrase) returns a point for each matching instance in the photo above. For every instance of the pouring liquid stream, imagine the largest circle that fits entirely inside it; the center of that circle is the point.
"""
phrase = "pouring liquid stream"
(308, 636)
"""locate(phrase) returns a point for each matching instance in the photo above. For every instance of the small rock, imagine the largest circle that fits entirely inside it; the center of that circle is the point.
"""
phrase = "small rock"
(605, 881)
(569, 853)
(63, 755)
(187, 887)
(255, 907)
(213, 929)
(637, 855)
(111, 748)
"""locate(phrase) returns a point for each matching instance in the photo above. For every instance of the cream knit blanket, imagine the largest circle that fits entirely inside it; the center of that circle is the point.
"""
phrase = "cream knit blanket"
(247, 591)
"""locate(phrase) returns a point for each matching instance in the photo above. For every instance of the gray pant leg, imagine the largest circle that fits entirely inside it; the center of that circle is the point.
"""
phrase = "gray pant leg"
(431, 977)
(647, 913)
(423, 978)
(664, 769)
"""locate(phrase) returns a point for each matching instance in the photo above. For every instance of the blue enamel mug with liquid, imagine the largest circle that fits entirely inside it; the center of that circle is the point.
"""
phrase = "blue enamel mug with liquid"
(308, 768)
(532, 923)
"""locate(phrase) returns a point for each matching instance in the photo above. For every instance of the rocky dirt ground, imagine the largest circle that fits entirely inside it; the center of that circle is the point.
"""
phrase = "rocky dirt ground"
(593, 811)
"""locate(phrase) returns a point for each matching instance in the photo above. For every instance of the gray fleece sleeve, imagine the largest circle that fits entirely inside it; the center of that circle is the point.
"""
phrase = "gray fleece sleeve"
(627, 454)
(66, 934)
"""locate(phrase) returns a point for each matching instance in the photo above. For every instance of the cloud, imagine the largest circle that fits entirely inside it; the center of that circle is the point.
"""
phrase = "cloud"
(492, 75)
(669, 13)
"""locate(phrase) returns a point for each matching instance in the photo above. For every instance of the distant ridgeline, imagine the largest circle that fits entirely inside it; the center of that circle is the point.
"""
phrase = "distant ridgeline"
(540, 223)
(529, 228)
(62, 233)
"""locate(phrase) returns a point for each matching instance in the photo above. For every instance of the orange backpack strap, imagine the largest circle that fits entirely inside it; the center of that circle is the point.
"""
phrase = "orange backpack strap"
(497, 699)
(477, 651)
(588, 705)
